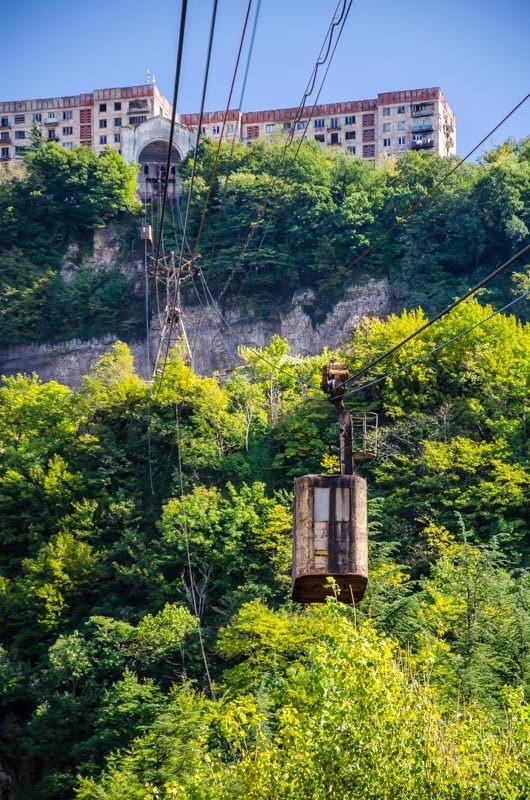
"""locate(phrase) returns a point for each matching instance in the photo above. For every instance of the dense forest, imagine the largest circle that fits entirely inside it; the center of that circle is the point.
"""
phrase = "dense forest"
(149, 646)
(323, 209)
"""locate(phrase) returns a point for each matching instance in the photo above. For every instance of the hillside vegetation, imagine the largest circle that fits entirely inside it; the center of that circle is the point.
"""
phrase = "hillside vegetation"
(324, 209)
(419, 692)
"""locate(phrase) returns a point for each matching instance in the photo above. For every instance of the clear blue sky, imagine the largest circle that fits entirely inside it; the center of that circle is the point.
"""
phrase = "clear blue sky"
(477, 51)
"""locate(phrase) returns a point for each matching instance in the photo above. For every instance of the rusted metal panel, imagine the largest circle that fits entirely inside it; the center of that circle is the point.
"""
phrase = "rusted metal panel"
(330, 537)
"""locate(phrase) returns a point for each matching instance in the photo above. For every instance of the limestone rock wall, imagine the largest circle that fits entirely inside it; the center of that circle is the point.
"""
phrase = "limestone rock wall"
(214, 336)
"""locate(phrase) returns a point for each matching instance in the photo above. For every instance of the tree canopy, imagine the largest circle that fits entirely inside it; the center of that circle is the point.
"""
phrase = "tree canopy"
(121, 575)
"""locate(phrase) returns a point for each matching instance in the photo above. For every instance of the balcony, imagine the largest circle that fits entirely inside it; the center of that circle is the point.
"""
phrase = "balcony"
(333, 127)
(5, 141)
(424, 110)
(422, 144)
(5, 126)
(335, 144)
(53, 121)
(422, 127)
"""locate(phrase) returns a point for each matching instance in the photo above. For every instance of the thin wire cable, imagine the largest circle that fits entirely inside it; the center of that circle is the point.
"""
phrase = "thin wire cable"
(438, 316)
(419, 203)
(299, 145)
(188, 559)
(225, 117)
(193, 172)
(176, 86)
(234, 138)
(326, 47)
(404, 367)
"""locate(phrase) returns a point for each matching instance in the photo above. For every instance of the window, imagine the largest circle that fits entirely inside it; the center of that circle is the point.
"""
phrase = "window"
(401, 126)
(349, 120)
(386, 142)
(319, 123)
(334, 122)
(5, 122)
(68, 145)
(402, 140)
(269, 127)
(252, 131)
(137, 120)
(117, 106)
(287, 126)
(301, 125)
(334, 138)
(68, 130)
(68, 114)
(4, 137)
(386, 111)
(386, 127)
(102, 107)
(102, 123)
(4, 152)
(368, 120)
(103, 140)
(19, 151)
(20, 119)
(319, 137)
(368, 150)
(51, 135)
(203, 131)
(37, 117)
(401, 109)
(351, 149)
(117, 122)
(230, 127)
(20, 134)
(137, 105)
(117, 138)
(216, 129)
(350, 135)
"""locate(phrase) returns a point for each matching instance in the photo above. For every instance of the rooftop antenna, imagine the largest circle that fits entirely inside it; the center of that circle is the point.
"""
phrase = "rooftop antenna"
(151, 77)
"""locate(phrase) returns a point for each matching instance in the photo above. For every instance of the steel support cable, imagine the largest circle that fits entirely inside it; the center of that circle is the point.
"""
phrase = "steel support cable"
(176, 86)
(234, 137)
(421, 202)
(441, 346)
(193, 170)
(299, 143)
(300, 112)
(225, 117)
(439, 315)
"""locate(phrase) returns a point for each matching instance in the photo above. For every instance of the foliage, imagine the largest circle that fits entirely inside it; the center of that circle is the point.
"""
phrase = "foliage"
(146, 532)
(59, 199)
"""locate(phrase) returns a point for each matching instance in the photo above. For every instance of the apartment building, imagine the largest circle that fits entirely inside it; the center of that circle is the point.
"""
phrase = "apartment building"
(391, 124)
(94, 120)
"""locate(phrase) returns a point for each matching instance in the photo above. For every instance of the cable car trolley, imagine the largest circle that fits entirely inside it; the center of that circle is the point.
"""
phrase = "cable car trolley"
(330, 525)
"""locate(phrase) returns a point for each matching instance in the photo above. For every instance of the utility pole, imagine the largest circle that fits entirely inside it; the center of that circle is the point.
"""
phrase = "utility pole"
(173, 323)
(334, 377)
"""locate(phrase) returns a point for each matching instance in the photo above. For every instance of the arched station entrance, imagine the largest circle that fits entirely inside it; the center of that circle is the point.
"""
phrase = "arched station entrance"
(153, 164)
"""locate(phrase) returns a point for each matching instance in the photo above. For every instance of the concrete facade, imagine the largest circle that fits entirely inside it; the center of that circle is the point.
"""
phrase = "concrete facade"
(123, 118)
(388, 125)
(96, 119)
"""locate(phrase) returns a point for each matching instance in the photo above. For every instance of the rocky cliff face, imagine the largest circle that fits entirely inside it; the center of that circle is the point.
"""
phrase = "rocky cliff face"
(214, 336)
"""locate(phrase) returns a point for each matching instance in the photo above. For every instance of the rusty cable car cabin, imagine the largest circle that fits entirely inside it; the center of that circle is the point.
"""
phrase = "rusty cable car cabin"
(330, 521)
